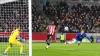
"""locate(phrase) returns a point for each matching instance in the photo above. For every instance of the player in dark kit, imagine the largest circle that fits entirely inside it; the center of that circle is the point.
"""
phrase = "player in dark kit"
(79, 37)
(50, 30)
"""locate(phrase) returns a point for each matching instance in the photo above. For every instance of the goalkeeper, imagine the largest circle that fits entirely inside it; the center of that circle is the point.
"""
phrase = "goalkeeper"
(13, 40)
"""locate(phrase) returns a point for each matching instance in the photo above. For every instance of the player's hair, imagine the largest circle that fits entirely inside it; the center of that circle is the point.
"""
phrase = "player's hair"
(52, 22)
(82, 29)
(16, 26)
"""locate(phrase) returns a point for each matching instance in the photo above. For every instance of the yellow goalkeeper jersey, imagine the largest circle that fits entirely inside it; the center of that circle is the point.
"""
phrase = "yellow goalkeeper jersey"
(14, 35)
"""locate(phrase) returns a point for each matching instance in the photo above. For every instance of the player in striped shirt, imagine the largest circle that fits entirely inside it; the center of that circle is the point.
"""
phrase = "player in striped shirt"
(50, 32)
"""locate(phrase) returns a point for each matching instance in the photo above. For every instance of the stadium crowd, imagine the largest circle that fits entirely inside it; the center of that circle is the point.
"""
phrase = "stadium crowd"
(12, 13)
(67, 18)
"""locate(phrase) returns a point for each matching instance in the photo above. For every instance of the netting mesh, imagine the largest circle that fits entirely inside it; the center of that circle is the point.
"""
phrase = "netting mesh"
(11, 13)
(14, 12)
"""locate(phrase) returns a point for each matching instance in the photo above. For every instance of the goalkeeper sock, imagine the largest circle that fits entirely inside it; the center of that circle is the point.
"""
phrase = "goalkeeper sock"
(7, 49)
(21, 49)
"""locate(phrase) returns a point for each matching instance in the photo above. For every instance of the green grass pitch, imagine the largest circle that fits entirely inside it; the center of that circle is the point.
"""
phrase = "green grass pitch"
(61, 49)
(14, 51)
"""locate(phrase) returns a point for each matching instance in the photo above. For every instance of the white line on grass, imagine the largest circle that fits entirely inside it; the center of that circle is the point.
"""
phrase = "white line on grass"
(65, 49)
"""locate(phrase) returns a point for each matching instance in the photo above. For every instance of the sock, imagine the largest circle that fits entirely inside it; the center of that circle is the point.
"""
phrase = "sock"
(79, 43)
(48, 44)
(65, 42)
(21, 48)
(7, 48)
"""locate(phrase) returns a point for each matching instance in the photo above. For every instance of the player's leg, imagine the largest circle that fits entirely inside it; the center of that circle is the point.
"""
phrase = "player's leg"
(79, 42)
(48, 41)
(21, 46)
(73, 41)
(65, 42)
(10, 45)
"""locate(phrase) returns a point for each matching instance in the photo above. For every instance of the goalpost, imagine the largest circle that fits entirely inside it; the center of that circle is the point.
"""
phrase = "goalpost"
(30, 26)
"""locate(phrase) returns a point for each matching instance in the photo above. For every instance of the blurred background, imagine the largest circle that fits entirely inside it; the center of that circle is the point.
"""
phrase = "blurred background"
(68, 15)
(12, 12)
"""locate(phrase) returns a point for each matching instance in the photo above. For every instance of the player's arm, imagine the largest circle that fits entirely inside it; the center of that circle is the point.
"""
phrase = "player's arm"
(87, 37)
(77, 36)
(17, 34)
(18, 37)
(46, 29)
(55, 29)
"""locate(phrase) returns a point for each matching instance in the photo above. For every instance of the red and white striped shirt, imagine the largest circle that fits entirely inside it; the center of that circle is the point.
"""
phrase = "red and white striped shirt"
(51, 29)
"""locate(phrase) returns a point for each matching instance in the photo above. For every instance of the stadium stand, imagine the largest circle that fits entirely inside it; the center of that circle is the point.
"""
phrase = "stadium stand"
(75, 17)
(14, 12)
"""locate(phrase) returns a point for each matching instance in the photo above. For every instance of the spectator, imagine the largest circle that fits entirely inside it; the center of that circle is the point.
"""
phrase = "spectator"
(75, 17)
(44, 5)
(47, 3)
(66, 29)
(14, 12)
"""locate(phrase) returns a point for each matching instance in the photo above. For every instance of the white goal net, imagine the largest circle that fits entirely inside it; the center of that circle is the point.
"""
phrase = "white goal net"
(14, 13)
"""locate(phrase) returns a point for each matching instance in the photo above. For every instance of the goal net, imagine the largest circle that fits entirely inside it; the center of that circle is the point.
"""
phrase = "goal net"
(14, 13)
